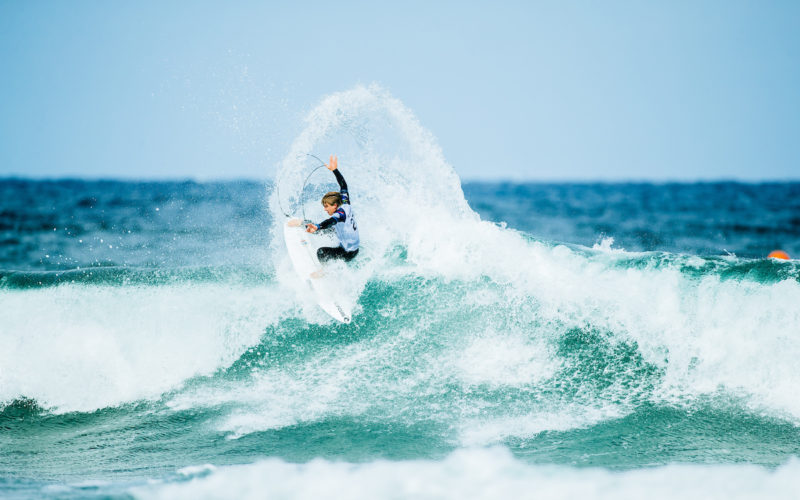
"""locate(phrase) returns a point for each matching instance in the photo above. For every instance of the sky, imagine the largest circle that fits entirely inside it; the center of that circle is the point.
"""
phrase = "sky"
(536, 91)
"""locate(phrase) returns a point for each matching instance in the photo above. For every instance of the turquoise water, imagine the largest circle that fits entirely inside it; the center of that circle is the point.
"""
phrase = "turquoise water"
(508, 340)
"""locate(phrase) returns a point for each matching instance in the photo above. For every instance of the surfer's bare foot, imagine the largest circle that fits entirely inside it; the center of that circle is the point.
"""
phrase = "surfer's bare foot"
(293, 223)
(317, 274)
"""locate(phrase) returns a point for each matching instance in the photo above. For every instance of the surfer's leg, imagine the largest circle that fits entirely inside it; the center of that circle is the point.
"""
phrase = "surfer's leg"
(328, 253)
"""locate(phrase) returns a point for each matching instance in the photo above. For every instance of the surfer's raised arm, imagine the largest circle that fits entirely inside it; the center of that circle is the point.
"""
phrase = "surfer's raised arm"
(333, 166)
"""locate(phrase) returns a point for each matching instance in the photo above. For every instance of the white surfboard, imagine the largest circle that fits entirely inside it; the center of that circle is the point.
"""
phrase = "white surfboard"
(303, 254)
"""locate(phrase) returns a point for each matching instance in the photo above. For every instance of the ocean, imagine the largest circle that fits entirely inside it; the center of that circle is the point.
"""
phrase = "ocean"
(509, 340)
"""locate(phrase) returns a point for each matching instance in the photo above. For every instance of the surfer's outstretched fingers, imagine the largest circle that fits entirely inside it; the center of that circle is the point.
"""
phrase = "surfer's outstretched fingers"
(333, 163)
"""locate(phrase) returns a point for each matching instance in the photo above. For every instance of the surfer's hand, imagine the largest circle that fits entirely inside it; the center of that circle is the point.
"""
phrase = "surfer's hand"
(293, 222)
(311, 228)
(333, 163)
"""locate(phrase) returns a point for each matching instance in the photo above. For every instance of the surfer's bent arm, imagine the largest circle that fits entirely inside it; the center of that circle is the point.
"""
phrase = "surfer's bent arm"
(338, 216)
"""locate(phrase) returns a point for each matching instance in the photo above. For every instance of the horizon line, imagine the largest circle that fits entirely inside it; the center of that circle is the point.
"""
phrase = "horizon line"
(473, 180)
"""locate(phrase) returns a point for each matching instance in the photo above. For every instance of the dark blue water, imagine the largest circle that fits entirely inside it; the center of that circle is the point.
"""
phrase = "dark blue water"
(748, 220)
(62, 225)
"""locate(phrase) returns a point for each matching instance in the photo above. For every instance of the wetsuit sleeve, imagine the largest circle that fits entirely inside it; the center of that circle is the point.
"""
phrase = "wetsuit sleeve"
(326, 223)
(338, 216)
(342, 186)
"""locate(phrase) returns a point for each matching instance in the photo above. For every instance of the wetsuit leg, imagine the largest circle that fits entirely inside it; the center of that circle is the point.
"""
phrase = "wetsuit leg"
(328, 253)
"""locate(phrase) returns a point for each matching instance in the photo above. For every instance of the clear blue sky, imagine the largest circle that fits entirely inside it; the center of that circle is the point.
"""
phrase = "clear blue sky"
(596, 90)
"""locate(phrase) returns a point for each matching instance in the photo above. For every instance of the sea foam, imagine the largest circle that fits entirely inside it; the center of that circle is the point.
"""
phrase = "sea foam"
(82, 348)
(474, 474)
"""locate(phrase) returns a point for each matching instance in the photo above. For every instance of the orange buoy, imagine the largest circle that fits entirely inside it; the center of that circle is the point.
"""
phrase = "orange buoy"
(778, 254)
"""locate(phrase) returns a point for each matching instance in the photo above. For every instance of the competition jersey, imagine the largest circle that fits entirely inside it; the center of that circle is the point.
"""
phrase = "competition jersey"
(342, 219)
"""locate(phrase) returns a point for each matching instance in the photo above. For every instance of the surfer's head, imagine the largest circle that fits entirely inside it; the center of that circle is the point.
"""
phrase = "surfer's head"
(331, 201)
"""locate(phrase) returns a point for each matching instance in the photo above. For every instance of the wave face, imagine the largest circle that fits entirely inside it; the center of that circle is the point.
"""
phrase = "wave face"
(146, 327)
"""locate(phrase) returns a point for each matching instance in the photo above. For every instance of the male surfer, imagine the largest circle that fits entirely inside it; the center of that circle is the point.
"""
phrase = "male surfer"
(337, 205)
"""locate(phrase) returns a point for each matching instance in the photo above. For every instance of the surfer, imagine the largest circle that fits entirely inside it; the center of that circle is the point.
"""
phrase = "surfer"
(337, 205)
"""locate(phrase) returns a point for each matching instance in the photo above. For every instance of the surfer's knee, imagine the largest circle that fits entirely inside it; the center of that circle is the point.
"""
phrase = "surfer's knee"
(348, 256)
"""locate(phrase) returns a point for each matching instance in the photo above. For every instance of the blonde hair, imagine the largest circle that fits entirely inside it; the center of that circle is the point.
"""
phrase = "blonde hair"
(332, 198)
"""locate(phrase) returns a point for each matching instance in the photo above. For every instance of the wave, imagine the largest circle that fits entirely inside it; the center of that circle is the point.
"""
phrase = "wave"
(488, 358)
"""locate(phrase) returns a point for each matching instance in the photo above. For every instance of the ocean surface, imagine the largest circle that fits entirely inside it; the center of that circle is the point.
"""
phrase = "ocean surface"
(509, 340)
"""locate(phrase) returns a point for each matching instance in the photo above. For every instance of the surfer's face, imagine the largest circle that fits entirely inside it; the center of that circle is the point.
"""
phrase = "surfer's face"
(330, 208)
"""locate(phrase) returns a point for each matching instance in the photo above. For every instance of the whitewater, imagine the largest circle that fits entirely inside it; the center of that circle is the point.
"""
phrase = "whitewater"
(156, 343)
